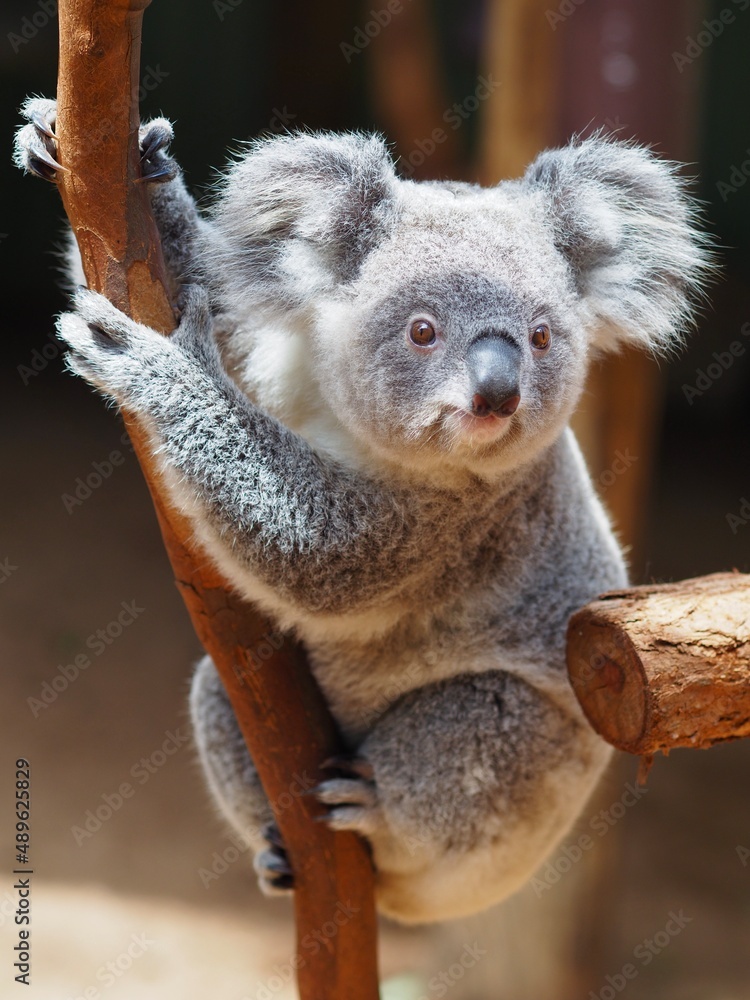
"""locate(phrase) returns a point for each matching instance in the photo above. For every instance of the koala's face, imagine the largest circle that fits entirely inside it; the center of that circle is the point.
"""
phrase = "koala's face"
(445, 323)
(460, 339)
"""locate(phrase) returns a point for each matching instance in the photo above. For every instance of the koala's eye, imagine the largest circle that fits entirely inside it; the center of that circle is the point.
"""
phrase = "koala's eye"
(541, 337)
(422, 333)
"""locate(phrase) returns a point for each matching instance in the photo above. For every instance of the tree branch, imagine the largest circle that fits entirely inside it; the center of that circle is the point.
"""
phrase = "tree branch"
(665, 666)
(280, 709)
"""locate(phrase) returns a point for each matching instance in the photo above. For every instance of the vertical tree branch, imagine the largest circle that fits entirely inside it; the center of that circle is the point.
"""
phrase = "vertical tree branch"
(280, 709)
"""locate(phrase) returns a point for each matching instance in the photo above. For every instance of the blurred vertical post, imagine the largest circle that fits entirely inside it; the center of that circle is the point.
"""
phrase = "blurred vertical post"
(280, 709)
(567, 68)
(616, 71)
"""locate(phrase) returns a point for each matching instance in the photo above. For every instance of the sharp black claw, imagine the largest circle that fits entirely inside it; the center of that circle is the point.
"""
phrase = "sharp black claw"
(154, 142)
(279, 864)
(360, 767)
(271, 833)
(164, 173)
(45, 165)
(41, 124)
(282, 882)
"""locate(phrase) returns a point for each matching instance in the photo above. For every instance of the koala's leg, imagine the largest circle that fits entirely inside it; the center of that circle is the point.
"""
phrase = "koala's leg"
(471, 782)
(233, 780)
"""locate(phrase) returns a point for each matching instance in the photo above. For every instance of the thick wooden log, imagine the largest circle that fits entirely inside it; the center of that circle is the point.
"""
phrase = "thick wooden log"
(665, 666)
(280, 709)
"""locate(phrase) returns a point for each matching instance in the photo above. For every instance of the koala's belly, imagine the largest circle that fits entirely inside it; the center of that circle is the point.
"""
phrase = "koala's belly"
(362, 680)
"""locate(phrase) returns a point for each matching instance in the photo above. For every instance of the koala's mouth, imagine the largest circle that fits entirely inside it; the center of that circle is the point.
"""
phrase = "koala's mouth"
(463, 425)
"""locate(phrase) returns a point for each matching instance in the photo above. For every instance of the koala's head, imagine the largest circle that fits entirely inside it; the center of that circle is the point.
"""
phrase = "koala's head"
(452, 324)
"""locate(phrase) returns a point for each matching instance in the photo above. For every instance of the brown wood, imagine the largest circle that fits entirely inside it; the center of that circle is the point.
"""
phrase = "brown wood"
(404, 60)
(519, 121)
(284, 719)
(665, 666)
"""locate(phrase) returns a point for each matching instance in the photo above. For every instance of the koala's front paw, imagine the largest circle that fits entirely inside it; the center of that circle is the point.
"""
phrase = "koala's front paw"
(35, 147)
(350, 796)
(128, 360)
(36, 144)
(109, 349)
(156, 164)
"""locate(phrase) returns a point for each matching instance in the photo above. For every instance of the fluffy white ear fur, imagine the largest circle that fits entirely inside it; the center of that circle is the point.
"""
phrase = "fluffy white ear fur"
(299, 213)
(623, 219)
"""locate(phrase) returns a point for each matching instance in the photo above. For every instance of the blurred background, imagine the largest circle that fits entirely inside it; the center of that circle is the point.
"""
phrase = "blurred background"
(145, 894)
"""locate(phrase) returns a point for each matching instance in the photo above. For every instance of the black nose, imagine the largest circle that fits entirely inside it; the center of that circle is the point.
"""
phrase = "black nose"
(494, 363)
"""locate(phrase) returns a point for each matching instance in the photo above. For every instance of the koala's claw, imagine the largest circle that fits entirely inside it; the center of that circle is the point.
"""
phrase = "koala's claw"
(352, 798)
(272, 835)
(35, 144)
(275, 875)
(352, 766)
(156, 164)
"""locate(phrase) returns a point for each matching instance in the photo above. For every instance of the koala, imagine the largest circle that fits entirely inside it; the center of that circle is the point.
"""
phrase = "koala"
(364, 413)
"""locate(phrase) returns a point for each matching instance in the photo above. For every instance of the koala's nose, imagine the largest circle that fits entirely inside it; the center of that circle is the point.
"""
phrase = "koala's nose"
(494, 364)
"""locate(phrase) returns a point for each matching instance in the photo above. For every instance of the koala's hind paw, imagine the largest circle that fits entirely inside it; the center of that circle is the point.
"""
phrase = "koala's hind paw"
(275, 875)
(350, 796)
(35, 144)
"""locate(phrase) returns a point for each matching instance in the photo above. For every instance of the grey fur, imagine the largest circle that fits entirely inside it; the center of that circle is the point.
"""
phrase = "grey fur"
(335, 475)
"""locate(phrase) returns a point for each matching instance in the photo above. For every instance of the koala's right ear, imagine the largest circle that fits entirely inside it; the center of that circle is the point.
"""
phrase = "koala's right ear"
(300, 213)
(624, 221)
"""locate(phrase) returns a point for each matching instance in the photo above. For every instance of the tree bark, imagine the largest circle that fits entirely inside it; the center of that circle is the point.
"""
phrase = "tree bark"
(287, 726)
(665, 666)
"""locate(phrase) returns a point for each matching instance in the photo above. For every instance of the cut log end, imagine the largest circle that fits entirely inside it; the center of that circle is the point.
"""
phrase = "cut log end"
(665, 666)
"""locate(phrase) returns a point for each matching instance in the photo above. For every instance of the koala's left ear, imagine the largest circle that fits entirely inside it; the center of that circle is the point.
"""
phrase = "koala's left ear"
(625, 223)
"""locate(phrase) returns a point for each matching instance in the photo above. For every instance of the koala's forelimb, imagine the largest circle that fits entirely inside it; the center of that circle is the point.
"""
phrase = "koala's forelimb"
(314, 529)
